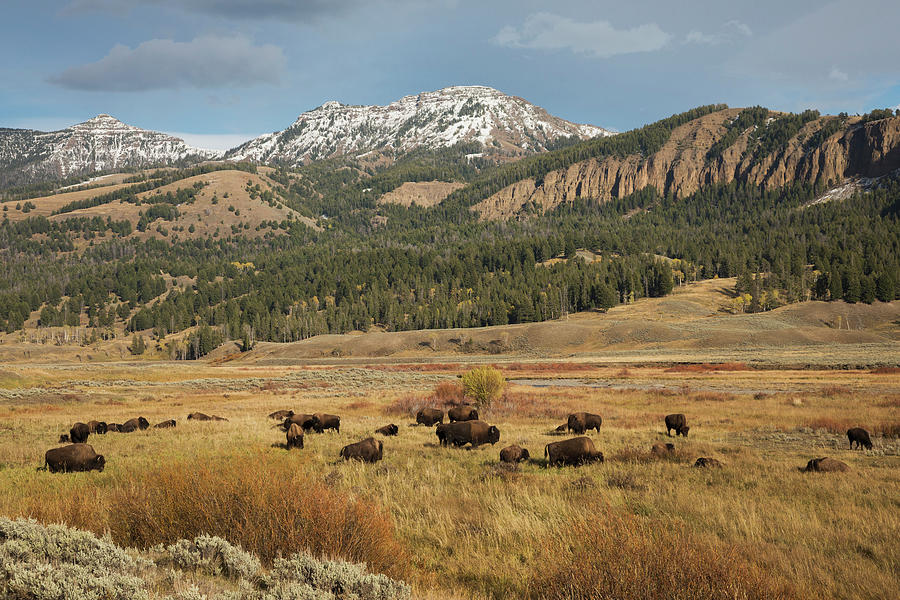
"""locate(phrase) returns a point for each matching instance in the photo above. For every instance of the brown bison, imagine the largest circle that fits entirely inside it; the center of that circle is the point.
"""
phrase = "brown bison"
(79, 433)
(306, 422)
(165, 424)
(368, 450)
(294, 436)
(860, 436)
(114, 427)
(707, 463)
(136, 423)
(65, 439)
(661, 450)
(825, 465)
(575, 451)
(677, 422)
(388, 430)
(199, 416)
(467, 432)
(75, 457)
(582, 421)
(281, 415)
(98, 427)
(465, 412)
(562, 428)
(325, 421)
(430, 416)
(514, 454)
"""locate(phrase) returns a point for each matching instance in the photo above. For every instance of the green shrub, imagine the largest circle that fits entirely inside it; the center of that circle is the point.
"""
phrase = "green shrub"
(483, 385)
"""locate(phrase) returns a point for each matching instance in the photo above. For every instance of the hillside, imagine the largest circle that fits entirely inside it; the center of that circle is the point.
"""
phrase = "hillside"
(504, 126)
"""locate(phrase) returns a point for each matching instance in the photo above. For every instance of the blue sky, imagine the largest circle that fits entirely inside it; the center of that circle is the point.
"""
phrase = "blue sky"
(220, 71)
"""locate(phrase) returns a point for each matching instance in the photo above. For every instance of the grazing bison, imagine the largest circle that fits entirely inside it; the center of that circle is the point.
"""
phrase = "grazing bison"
(575, 451)
(707, 463)
(430, 416)
(75, 457)
(825, 465)
(127, 428)
(294, 436)
(465, 412)
(306, 422)
(582, 421)
(678, 423)
(514, 454)
(65, 439)
(98, 427)
(562, 428)
(165, 424)
(326, 421)
(198, 416)
(860, 436)
(281, 414)
(388, 430)
(136, 423)
(79, 433)
(467, 432)
(368, 450)
(115, 427)
(661, 450)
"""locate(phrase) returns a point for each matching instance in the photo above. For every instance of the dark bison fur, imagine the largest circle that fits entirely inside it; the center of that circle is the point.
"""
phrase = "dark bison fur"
(326, 421)
(165, 424)
(465, 412)
(708, 463)
(575, 451)
(306, 422)
(430, 416)
(825, 465)
(661, 450)
(467, 432)
(369, 450)
(514, 454)
(98, 427)
(65, 439)
(859, 436)
(136, 423)
(678, 422)
(388, 430)
(79, 433)
(281, 414)
(582, 421)
(75, 457)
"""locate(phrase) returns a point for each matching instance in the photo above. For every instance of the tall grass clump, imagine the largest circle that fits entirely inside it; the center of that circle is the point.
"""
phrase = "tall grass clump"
(621, 557)
(483, 385)
(270, 510)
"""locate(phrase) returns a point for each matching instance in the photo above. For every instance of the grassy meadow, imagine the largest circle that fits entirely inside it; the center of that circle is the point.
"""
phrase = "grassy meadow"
(454, 523)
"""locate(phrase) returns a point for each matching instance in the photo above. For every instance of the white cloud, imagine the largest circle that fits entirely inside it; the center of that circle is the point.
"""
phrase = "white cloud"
(214, 141)
(290, 10)
(727, 34)
(205, 62)
(741, 28)
(545, 31)
(838, 75)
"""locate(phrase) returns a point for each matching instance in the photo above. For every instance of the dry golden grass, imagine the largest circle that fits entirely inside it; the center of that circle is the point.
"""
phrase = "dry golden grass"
(462, 526)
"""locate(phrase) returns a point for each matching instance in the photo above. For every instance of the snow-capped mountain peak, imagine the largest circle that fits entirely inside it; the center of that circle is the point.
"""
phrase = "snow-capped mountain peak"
(502, 124)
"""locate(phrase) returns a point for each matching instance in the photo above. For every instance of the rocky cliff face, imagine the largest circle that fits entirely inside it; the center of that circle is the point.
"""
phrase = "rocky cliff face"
(682, 166)
(100, 144)
(502, 124)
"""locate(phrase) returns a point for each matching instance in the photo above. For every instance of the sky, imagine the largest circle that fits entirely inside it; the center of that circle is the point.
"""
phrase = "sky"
(218, 72)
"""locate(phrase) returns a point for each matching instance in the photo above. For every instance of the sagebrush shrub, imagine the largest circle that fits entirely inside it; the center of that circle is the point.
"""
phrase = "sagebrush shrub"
(483, 385)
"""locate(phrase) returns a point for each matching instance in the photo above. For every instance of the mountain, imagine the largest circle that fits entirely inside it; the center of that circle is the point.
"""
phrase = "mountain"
(505, 126)
(99, 144)
(679, 157)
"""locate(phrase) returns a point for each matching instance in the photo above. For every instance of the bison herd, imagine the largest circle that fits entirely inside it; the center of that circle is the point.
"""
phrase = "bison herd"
(464, 428)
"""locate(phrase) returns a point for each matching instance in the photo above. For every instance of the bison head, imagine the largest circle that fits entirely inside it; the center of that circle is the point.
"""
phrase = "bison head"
(102, 427)
(143, 423)
(99, 463)
(684, 430)
(493, 434)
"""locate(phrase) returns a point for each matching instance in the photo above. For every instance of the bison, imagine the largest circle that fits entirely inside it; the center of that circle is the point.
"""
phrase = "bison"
(79, 433)
(562, 428)
(75, 457)
(306, 422)
(575, 451)
(388, 430)
(198, 416)
(294, 436)
(430, 416)
(369, 450)
(165, 424)
(514, 454)
(465, 412)
(326, 421)
(281, 414)
(677, 422)
(467, 432)
(661, 450)
(65, 439)
(860, 436)
(98, 427)
(582, 421)
(115, 427)
(136, 423)
(825, 465)
(707, 463)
